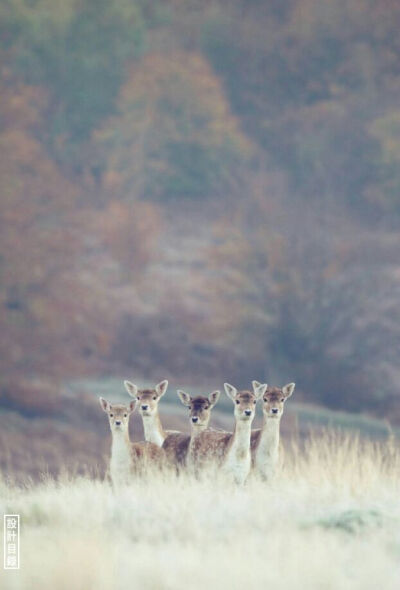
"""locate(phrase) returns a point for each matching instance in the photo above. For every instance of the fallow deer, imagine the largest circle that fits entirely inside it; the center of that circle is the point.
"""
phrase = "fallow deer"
(175, 444)
(199, 412)
(232, 450)
(127, 458)
(265, 441)
(148, 409)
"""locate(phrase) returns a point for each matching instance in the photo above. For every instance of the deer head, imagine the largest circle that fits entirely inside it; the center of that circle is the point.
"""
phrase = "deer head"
(199, 407)
(148, 399)
(245, 401)
(118, 414)
(274, 399)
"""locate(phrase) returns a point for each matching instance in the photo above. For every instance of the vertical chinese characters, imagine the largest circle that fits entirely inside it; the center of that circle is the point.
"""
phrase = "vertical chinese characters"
(11, 541)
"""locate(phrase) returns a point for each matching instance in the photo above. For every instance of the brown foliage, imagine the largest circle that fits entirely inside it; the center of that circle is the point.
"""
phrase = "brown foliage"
(58, 311)
(38, 244)
(130, 231)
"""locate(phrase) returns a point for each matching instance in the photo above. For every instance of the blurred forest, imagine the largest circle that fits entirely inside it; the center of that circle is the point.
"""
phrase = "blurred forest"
(203, 189)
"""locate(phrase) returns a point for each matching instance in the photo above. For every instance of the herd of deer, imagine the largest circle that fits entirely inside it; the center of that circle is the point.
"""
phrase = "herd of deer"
(236, 453)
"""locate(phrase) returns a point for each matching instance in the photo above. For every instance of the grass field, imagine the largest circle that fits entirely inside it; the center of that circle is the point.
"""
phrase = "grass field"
(331, 520)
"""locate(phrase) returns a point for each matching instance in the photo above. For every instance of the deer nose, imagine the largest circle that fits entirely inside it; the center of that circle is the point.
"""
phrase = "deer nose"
(274, 411)
(145, 407)
(247, 412)
(118, 422)
(195, 419)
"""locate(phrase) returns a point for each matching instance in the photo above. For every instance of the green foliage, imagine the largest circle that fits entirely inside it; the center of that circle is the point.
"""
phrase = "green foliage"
(306, 84)
(78, 50)
(174, 135)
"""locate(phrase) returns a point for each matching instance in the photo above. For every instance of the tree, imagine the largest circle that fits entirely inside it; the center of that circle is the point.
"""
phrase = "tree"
(302, 295)
(78, 51)
(42, 297)
(174, 135)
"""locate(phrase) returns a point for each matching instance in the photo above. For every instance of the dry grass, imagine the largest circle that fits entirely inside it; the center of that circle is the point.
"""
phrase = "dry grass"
(330, 521)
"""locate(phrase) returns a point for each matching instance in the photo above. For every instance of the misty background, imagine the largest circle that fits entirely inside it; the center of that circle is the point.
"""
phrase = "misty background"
(198, 190)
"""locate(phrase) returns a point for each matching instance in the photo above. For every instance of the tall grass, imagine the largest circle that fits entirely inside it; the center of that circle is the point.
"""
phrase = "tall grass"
(331, 520)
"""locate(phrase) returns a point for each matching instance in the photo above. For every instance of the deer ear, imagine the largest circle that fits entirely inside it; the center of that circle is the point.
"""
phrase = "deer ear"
(161, 387)
(131, 388)
(288, 389)
(213, 398)
(230, 391)
(132, 406)
(184, 397)
(259, 389)
(104, 404)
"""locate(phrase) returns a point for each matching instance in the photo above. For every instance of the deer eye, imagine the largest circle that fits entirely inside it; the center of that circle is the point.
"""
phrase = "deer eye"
(111, 415)
(237, 402)
(154, 397)
(125, 415)
(265, 399)
(138, 396)
(283, 399)
(255, 401)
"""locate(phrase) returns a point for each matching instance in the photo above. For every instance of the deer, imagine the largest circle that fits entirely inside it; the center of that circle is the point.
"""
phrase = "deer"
(232, 450)
(148, 409)
(199, 412)
(127, 458)
(174, 443)
(265, 441)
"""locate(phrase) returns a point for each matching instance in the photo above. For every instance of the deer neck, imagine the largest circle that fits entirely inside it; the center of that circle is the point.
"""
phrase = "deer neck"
(269, 438)
(121, 450)
(194, 433)
(240, 441)
(153, 430)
